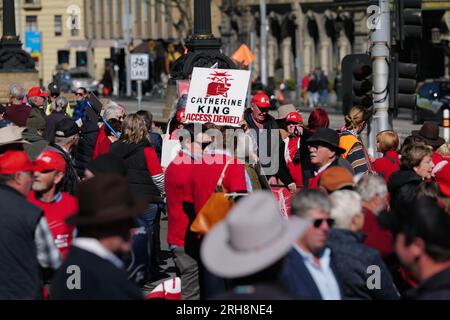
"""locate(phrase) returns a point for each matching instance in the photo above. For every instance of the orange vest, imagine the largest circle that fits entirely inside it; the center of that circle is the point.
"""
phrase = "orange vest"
(346, 142)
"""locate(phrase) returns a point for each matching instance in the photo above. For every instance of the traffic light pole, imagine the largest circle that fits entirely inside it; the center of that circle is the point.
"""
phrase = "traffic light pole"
(380, 56)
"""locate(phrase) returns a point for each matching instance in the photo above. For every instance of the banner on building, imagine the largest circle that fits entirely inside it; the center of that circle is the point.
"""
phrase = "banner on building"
(217, 96)
(33, 43)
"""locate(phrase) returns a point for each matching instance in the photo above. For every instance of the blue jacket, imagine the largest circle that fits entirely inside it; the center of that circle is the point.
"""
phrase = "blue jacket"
(296, 278)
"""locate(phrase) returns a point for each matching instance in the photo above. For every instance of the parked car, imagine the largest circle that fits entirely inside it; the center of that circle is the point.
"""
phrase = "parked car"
(79, 77)
(433, 96)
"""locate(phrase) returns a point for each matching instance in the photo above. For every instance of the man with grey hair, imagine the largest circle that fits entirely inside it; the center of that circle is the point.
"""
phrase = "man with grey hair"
(67, 136)
(375, 199)
(360, 268)
(309, 270)
(113, 110)
(58, 113)
(17, 112)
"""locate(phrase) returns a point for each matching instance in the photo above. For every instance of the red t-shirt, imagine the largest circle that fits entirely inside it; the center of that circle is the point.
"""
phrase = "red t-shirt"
(295, 169)
(56, 212)
(204, 178)
(377, 237)
(387, 166)
(176, 184)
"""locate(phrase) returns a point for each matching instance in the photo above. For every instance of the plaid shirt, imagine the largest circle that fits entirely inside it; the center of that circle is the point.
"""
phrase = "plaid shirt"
(47, 253)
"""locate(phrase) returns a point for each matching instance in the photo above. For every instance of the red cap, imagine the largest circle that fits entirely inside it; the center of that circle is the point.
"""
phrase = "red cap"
(36, 92)
(50, 160)
(294, 117)
(261, 99)
(443, 180)
(15, 161)
(180, 115)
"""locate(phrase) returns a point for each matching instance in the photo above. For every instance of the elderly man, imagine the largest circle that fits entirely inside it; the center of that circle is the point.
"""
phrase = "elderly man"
(67, 136)
(34, 134)
(17, 112)
(353, 259)
(324, 153)
(309, 270)
(37, 100)
(58, 113)
(104, 221)
(375, 199)
(56, 205)
(26, 243)
(265, 128)
(422, 245)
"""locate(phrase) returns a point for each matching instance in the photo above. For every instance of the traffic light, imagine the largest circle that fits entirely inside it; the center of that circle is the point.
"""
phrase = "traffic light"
(408, 17)
(402, 83)
(356, 81)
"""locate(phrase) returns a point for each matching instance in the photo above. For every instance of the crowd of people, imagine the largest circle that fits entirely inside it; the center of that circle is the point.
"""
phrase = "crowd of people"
(84, 189)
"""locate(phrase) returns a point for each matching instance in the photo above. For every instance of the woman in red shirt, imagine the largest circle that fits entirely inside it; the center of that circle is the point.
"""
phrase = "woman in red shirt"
(387, 144)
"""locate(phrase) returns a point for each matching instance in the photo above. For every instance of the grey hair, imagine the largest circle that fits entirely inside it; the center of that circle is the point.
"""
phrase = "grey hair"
(306, 200)
(346, 204)
(62, 141)
(17, 91)
(370, 186)
(112, 111)
(60, 104)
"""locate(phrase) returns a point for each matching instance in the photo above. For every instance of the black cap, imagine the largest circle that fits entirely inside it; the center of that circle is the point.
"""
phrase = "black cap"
(66, 128)
(107, 163)
(328, 137)
(54, 88)
(424, 218)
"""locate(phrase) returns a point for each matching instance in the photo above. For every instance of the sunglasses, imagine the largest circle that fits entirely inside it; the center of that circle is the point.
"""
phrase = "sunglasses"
(47, 171)
(78, 94)
(318, 222)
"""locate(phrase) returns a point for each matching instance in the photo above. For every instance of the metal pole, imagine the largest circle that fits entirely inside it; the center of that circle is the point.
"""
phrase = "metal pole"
(116, 71)
(446, 124)
(263, 40)
(380, 55)
(250, 67)
(127, 43)
(19, 14)
(139, 93)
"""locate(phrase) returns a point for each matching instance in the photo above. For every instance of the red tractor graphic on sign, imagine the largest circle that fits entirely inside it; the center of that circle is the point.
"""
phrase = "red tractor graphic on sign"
(219, 84)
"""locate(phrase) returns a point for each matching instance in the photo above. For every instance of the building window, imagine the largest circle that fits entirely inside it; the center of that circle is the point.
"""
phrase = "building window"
(58, 25)
(63, 56)
(30, 1)
(31, 24)
(81, 58)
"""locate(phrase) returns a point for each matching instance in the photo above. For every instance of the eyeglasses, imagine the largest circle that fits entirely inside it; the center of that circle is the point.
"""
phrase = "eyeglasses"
(318, 222)
(293, 124)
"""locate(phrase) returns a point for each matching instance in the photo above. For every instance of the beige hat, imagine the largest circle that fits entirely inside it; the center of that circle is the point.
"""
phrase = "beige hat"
(284, 110)
(11, 134)
(252, 237)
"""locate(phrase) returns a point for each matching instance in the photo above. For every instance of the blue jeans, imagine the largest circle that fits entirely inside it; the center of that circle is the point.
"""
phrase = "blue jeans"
(145, 245)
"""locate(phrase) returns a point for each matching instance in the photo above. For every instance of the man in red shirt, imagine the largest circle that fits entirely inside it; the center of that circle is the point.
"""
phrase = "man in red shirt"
(176, 186)
(56, 205)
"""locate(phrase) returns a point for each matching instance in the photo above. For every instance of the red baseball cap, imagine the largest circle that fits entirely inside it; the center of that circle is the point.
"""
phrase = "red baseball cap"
(443, 180)
(261, 99)
(50, 160)
(294, 117)
(15, 161)
(36, 92)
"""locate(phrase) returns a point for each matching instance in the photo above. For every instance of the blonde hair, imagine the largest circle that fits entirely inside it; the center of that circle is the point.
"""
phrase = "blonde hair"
(134, 129)
(356, 116)
(413, 155)
(444, 150)
(388, 141)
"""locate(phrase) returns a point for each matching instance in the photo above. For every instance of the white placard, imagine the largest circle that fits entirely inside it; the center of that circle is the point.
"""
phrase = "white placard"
(139, 66)
(217, 96)
(170, 149)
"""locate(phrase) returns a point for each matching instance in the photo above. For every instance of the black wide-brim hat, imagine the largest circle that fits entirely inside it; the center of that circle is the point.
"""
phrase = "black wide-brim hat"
(106, 199)
(327, 137)
(429, 132)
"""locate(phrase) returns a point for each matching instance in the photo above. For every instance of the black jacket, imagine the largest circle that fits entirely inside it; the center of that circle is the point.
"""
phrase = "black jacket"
(271, 124)
(99, 279)
(85, 148)
(139, 177)
(352, 260)
(435, 288)
(20, 275)
(50, 124)
(402, 187)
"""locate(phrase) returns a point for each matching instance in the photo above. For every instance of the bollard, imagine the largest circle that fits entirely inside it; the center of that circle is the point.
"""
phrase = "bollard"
(446, 124)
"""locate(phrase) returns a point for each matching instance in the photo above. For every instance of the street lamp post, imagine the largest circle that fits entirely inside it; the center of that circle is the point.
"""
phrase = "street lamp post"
(12, 57)
(203, 47)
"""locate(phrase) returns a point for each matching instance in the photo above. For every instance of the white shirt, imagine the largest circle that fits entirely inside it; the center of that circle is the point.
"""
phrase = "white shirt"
(94, 246)
(323, 276)
(323, 168)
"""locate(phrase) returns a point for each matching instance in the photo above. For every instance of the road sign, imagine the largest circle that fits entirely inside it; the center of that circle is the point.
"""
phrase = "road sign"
(139, 66)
